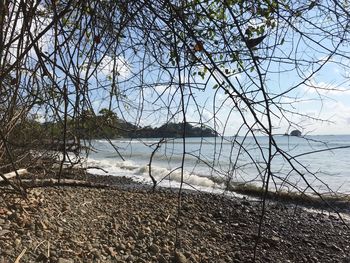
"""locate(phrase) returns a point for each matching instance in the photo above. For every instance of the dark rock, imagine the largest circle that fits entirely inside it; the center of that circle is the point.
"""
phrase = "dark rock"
(154, 249)
(296, 133)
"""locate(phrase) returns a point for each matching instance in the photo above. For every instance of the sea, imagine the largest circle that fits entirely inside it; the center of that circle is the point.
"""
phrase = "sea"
(301, 164)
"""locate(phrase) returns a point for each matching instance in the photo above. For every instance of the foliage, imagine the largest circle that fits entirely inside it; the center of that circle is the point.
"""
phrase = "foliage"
(174, 130)
(102, 126)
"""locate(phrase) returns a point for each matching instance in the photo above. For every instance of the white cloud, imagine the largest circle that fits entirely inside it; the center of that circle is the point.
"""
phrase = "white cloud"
(167, 89)
(337, 116)
(325, 89)
(121, 66)
(105, 68)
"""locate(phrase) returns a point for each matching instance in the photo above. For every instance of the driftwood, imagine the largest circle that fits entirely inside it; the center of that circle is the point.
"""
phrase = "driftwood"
(63, 182)
(13, 174)
(32, 183)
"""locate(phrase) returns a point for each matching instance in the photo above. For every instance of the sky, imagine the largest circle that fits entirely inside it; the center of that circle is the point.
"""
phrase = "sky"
(319, 106)
(326, 98)
(319, 103)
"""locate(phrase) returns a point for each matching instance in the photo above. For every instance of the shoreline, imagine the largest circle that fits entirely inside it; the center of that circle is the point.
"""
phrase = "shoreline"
(340, 203)
(112, 224)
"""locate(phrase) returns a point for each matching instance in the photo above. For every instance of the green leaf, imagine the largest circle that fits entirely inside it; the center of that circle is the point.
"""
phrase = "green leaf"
(65, 21)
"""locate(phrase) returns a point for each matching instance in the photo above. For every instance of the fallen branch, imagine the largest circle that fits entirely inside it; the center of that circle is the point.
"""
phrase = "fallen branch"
(63, 182)
(6, 176)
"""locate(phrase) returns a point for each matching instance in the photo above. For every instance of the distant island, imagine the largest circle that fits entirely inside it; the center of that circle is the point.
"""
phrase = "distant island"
(296, 133)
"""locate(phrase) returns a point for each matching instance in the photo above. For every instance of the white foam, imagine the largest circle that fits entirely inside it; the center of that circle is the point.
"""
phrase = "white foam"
(161, 174)
(164, 177)
(344, 216)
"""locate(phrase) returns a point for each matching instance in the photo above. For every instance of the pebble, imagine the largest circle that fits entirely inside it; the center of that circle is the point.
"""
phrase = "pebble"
(111, 251)
(180, 258)
(4, 232)
(63, 260)
(162, 259)
(154, 249)
(17, 242)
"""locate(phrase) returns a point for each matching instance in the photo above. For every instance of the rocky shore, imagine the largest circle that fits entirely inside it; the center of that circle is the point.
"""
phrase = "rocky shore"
(131, 224)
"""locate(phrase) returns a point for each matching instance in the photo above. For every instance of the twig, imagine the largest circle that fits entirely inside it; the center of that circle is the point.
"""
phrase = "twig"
(48, 249)
(20, 255)
(39, 245)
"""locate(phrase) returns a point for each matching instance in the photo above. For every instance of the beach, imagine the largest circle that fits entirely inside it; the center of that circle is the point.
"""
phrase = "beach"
(126, 222)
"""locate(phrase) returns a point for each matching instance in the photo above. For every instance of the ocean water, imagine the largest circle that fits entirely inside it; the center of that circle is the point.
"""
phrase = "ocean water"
(320, 163)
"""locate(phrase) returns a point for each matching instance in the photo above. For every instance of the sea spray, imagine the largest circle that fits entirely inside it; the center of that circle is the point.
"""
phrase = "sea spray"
(141, 173)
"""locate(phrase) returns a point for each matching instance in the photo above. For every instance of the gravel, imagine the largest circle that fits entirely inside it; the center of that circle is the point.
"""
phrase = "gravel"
(85, 224)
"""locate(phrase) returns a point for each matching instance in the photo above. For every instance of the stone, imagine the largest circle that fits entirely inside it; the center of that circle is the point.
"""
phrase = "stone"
(97, 253)
(238, 255)
(17, 242)
(180, 258)
(43, 258)
(111, 251)
(190, 256)
(121, 247)
(4, 232)
(335, 247)
(165, 250)
(274, 241)
(162, 259)
(154, 249)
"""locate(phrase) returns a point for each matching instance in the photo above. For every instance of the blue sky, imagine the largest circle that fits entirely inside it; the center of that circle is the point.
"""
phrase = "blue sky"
(325, 96)
(150, 99)
(320, 105)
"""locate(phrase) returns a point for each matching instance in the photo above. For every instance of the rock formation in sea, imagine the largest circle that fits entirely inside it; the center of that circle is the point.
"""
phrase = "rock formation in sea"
(295, 133)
